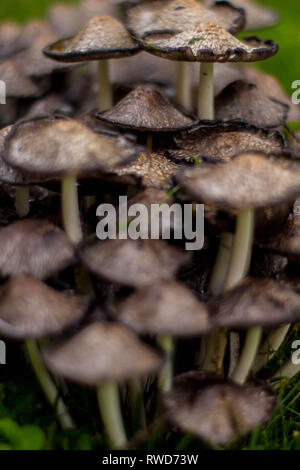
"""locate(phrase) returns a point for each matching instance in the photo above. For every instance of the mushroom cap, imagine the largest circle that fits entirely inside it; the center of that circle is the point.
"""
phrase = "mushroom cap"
(167, 307)
(220, 141)
(152, 16)
(31, 309)
(134, 263)
(18, 85)
(9, 33)
(65, 20)
(35, 247)
(146, 109)
(256, 302)
(250, 180)
(244, 100)
(103, 38)
(71, 148)
(215, 410)
(208, 42)
(102, 352)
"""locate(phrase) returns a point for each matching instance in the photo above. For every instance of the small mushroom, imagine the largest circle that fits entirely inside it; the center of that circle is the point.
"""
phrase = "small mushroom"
(103, 38)
(134, 263)
(9, 33)
(215, 410)
(103, 355)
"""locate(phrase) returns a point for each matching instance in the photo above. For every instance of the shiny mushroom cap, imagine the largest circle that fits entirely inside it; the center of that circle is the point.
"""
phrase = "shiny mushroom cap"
(102, 352)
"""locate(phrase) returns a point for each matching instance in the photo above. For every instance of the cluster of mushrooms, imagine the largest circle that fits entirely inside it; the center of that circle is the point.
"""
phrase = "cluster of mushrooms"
(143, 99)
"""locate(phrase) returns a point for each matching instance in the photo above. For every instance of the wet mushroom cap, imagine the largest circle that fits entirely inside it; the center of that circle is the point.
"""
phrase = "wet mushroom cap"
(215, 410)
(31, 309)
(172, 15)
(146, 109)
(102, 352)
(134, 263)
(243, 100)
(18, 85)
(71, 148)
(167, 307)
(220, 141)
(103, 38)
(35, 247)
(256, 302)
(208, 42)
(250, 180)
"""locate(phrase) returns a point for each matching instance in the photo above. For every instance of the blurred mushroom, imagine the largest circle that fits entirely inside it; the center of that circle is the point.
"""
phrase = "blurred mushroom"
(215, 410)
(103, 38)
(103, 355)
(9, 33)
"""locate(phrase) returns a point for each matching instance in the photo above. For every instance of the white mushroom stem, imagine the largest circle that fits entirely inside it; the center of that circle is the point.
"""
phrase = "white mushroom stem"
(47, 385)
(184, 89)
(105, 96)
(206, 108)
(22, 201)
(250, 349)
(70, 209)
(287, 372)
(269, 347)
(165, 376)
(110, 409)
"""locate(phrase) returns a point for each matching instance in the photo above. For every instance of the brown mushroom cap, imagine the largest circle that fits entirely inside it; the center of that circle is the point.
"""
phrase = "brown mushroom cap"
(71, 148)
(18, 85)
(215, 410)
(167, 307)
(146, 109)
(221, 141)
(34, 247)
(250, 180)
(134, 263)
(208, 42)
(243, 100)
(103, 38)
(256, 302)
(31, 309)
(102, 352)
(151, 16)
(9, 33)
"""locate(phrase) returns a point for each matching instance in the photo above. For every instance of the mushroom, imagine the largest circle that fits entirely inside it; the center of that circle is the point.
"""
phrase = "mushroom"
(134, 263)
(168, 310)
(9, 33)
(103, 38)
(215, 410)
(145, 109)
(72, 151)
(103, 355)
(30, 310)
(162, 17)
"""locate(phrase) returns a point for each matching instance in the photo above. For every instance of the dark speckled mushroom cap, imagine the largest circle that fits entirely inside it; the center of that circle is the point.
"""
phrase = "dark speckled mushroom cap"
(30, 309)
(166, 307)
(263, 302)
(18, 85)
(208, 42)
(102, 352)
(35, 247)
(152, 16)
(215, 410)
(146, 109)
(103, 38)
(250, 180)
(243, 100)
(134, 263)
(219, 141)
(71, 148)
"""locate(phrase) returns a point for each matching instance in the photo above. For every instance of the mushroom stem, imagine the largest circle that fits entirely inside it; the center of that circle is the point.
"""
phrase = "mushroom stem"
(70, 209)
(137, 404)
(149, 143)
(105, 97)
(22, 201)
(109, 406)
(251, 346)
(288, 371)
(206, 91)
(270, 346)
(215, 351)
(165, 376)
(47, 385)
(184, 96)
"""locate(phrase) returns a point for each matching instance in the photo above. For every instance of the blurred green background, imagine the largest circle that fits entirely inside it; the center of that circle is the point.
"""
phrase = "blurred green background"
(285, 65)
